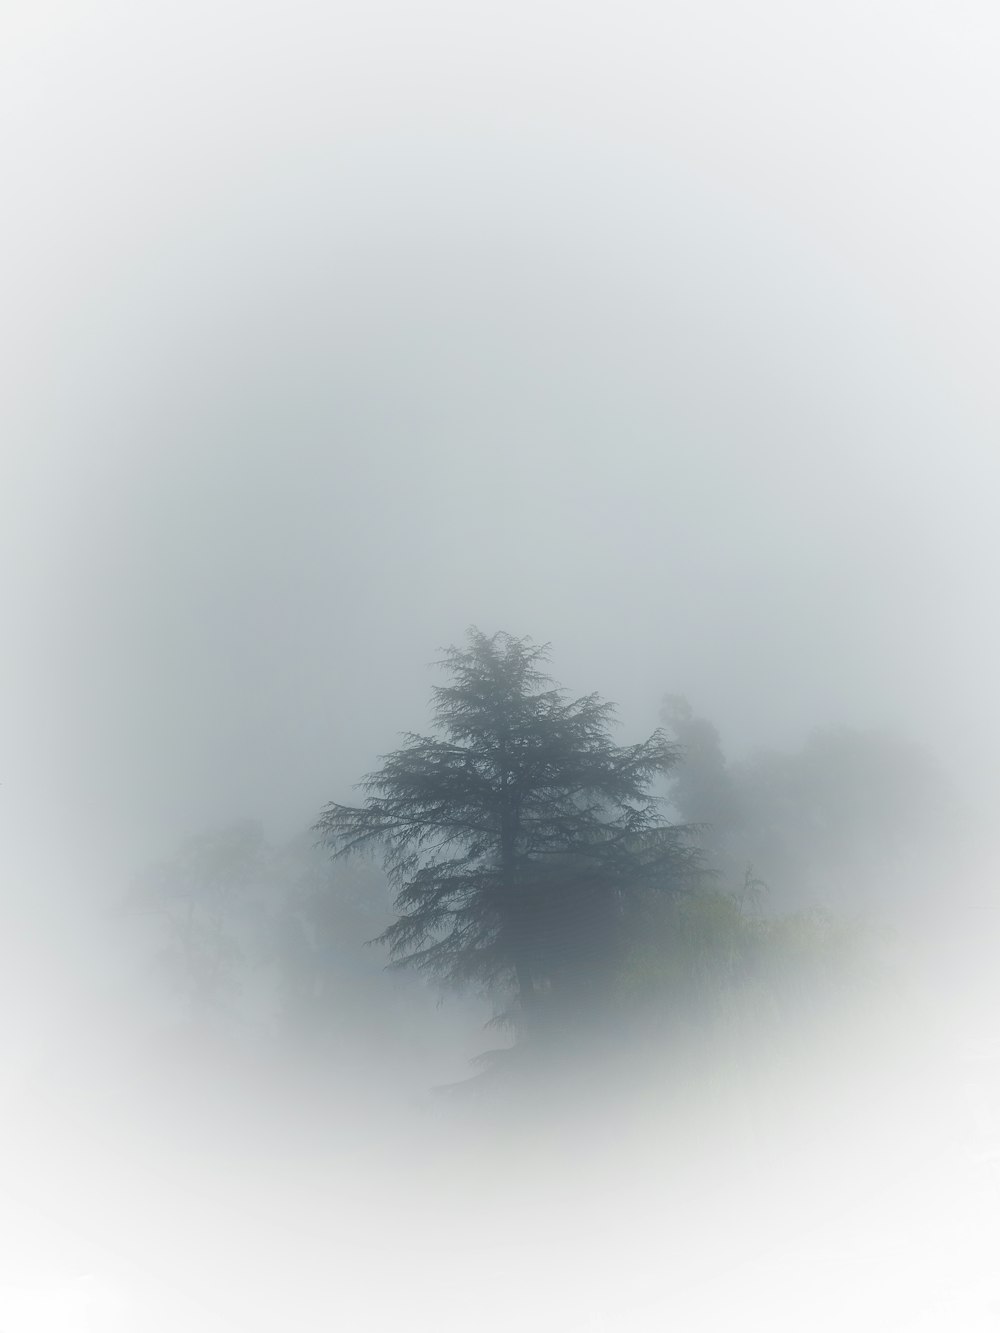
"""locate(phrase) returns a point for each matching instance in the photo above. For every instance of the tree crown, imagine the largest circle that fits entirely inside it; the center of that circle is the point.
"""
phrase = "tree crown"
(516, 826)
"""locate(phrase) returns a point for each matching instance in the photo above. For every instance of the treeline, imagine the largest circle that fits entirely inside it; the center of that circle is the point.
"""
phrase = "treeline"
(576, 888)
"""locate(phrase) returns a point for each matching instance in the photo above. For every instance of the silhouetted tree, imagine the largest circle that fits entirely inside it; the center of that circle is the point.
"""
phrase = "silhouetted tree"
(521, 842)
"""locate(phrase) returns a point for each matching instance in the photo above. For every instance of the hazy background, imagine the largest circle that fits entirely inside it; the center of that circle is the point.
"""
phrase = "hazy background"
(667, 333)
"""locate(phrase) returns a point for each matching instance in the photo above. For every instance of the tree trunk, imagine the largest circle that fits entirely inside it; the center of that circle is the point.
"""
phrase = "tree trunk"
(526, 995)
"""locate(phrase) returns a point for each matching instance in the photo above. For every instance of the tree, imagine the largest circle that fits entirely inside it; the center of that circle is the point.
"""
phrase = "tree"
(849, 819)
(208, 897)
(521, 842)
(703, 790)
(315, 941)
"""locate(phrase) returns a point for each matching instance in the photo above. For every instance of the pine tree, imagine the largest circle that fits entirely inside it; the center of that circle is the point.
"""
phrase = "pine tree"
(521, 842)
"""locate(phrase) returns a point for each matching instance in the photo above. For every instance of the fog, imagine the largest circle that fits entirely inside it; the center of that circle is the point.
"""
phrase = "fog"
(664, 334)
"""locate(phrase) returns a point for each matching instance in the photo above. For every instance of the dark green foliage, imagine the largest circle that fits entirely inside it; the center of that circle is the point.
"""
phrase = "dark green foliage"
(715, 982)
(521, 842)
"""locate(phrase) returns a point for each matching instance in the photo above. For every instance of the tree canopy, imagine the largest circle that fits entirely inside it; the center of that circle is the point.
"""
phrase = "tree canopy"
(846, 820)
(522, 843)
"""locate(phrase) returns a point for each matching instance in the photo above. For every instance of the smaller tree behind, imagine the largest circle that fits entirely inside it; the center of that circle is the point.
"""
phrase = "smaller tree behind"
(208, 898)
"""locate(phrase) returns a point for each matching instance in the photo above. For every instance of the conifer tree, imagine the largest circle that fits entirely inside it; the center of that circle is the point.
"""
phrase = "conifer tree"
(521, 842)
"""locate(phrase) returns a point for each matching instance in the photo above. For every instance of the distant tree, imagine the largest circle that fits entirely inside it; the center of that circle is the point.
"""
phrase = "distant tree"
(207, 898)
(703, 789)
(522, 844)
(262, 947)
(854, 816)
(847, 815)
(315, 938)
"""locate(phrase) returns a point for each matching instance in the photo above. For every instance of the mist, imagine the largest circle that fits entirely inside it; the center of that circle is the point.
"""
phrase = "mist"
(665, 336)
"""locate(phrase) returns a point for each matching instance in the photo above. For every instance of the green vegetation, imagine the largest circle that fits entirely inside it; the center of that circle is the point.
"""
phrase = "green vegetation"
(529, 860)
